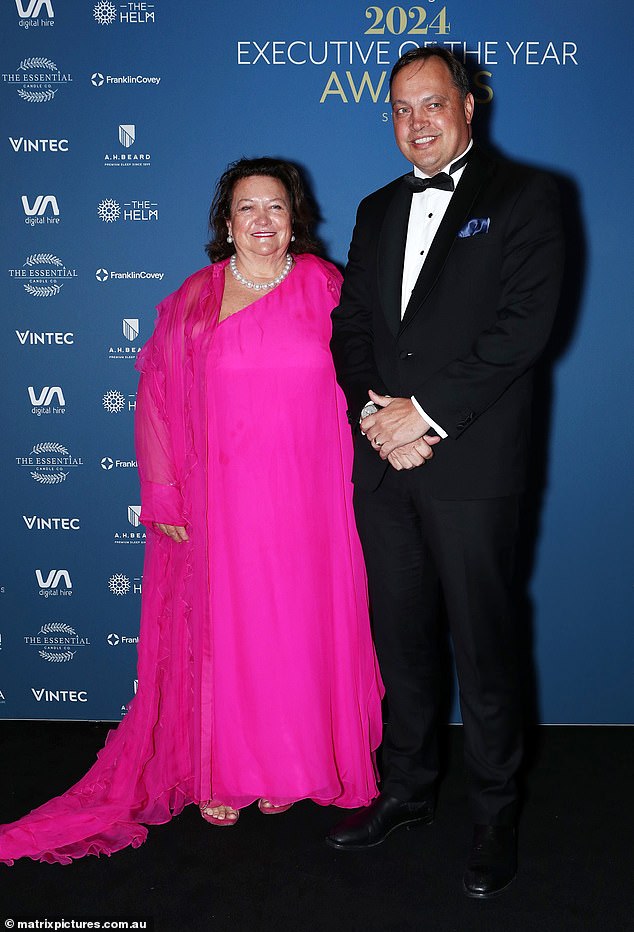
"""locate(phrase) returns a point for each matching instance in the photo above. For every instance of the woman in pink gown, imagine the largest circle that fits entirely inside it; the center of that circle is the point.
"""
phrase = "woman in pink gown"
(257, 675)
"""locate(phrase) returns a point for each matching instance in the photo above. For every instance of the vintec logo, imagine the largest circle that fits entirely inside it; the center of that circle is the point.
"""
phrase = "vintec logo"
(44, 209)
(49, 400)
(59, 695)
(45, 337)
(22, 144)
(35, 523)
(37, 80)
(32, 13)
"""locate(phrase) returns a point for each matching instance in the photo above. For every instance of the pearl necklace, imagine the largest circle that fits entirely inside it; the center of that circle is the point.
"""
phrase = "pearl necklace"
(261, 286)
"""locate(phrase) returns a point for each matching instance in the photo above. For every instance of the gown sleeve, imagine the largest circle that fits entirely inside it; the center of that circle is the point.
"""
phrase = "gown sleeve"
(161, 498)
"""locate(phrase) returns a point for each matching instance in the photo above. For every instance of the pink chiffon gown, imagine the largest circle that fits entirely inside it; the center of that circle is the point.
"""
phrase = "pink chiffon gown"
(257, 674)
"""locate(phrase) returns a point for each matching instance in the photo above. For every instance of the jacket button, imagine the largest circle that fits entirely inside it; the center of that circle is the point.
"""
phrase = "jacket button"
(404, 354)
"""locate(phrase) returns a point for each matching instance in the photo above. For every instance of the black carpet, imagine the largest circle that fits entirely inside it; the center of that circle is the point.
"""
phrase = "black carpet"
(276, 873)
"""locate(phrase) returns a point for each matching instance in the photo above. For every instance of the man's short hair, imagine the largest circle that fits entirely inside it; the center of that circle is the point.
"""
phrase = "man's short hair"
(457, 70)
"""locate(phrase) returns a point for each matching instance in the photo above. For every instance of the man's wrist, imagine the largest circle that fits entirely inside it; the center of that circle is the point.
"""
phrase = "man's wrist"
(428, 421)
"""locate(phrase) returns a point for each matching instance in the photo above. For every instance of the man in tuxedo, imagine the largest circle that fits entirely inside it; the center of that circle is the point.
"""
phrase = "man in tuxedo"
(448, 300)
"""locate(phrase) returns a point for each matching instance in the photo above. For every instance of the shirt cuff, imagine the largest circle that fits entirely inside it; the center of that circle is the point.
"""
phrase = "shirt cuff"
(441, 433)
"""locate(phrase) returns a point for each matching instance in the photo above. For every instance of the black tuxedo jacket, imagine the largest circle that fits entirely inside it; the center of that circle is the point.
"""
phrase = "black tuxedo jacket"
(479, 316)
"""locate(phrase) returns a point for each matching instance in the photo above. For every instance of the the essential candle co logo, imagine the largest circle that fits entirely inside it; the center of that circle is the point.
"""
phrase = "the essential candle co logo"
(57, 642)
(49, 463)
(43, 274)
(37, 80)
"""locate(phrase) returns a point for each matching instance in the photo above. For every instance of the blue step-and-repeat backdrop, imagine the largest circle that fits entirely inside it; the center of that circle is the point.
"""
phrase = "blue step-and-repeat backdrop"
(117, 118)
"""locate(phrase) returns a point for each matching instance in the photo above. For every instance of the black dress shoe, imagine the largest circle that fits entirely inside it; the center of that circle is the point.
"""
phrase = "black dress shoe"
(370, 826)
(492, 861)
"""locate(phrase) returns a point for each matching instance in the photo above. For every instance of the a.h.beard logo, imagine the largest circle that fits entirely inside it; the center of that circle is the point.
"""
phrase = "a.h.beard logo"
(132, 537)
(52, 462)
(123, 158)
(127, 134)
(130, 327)
(57, 642)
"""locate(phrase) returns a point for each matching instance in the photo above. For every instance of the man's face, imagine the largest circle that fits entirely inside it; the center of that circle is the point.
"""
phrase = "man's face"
(432, 124)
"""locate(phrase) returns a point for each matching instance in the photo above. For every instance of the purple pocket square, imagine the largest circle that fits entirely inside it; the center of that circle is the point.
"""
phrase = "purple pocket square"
(472, 227)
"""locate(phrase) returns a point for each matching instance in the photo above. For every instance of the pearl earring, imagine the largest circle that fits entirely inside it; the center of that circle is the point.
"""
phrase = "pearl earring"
(293, 238)
(229, 238)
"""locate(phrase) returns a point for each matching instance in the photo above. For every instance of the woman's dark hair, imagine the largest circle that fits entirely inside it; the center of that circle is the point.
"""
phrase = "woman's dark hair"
(301, 214)
(457, 70)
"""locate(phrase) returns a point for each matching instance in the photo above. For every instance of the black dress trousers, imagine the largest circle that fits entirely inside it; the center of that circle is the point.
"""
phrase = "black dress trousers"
(419, 549)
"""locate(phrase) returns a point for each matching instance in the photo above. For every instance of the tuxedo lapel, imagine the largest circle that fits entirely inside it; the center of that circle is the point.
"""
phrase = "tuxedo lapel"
(391, 255)
(476, 172)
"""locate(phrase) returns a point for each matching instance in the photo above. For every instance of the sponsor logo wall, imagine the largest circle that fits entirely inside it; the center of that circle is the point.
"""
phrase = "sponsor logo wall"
(116, 119)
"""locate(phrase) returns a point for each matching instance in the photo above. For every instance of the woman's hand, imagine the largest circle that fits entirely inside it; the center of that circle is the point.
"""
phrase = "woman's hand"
(175, 531)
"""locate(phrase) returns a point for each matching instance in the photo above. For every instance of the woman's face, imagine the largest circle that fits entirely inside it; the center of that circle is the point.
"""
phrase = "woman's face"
(260, 221)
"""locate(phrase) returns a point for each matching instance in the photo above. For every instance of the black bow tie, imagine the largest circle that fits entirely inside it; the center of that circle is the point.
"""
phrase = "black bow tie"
(442, 180)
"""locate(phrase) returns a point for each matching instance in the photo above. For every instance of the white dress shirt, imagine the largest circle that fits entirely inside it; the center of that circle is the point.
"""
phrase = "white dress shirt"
(425, 216)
